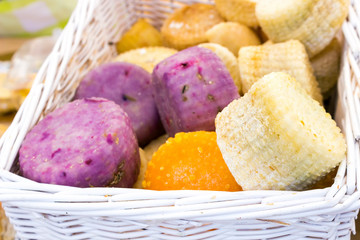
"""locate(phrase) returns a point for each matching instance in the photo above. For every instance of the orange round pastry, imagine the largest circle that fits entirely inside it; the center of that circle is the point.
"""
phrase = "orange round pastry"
(187, 26)
(189, 161)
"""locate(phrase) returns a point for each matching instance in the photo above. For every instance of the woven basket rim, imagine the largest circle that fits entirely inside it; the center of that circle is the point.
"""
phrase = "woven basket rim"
(339, 190)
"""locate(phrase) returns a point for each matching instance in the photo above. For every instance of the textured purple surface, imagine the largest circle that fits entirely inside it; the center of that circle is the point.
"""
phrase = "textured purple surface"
(129, 86)
(88, 142)
(191, 87)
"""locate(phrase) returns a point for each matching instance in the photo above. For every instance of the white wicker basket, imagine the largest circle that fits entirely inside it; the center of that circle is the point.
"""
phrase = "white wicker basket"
(44, 211)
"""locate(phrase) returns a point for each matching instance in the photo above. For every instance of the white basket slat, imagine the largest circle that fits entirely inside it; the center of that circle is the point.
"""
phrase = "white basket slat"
(350, 99)
(351, 170)
(46, 211)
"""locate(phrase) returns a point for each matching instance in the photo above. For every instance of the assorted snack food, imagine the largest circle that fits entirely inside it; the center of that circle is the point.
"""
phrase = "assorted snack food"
(192, 86)
(87, 143)
(277, 137)
(326, 65)
(238, 113)
(228, 59)
(146, 57)
(128, 86)
(314, 23)
(141, 34)
(290, 57)
(190, 161)
(187, 26)
(232, 35)
(242, 11)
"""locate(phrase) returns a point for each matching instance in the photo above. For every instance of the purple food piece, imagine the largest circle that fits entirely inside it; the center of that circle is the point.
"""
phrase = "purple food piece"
(129, 86)
(85, 143)
(191, 87)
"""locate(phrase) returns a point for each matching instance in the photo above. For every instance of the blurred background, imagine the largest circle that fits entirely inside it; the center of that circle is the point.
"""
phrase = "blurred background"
(28, 31)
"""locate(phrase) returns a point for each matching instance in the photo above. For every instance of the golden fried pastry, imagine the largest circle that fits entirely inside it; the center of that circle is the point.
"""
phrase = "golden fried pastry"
(141, 34)
(187, 26)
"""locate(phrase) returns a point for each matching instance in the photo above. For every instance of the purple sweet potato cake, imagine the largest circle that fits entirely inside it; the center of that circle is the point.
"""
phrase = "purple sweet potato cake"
(129, 86)
(190, 88)
(85, 143)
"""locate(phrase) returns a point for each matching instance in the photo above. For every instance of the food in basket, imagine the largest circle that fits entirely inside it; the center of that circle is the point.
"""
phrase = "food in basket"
(141, 34)
(86, 143)
(314, 23)
(154, 145)
(189, 161)
(187, 26)
(129, 86)
(242, 11)
(262, 36)
(233, 36)
(191, 87)
(143, 166)
(278, 137)
(146, 57)
(325, 181)
(326, 65)
(228, 59)
(290, 57)
(146, 155)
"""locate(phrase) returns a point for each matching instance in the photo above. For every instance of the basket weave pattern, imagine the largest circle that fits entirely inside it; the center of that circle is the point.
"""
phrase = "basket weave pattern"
(44, 211)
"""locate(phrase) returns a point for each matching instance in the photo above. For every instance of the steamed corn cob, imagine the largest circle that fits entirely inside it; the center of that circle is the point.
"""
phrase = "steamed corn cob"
(242, 11)
(313, 22)
(290, 57)
(278, 137)
(326, 65)
(141, 34)
(233, 36)
(228, 59)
